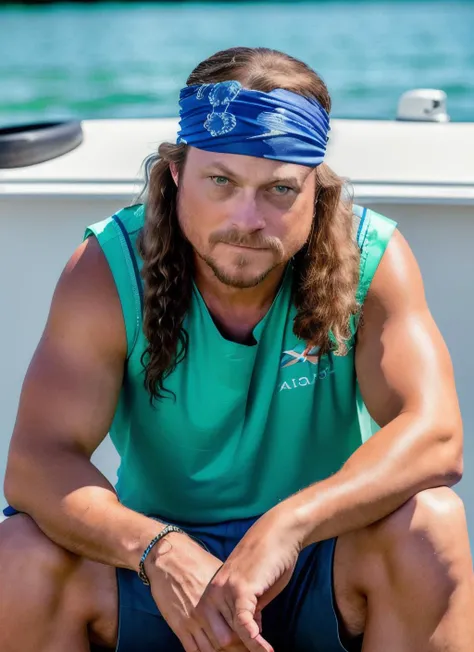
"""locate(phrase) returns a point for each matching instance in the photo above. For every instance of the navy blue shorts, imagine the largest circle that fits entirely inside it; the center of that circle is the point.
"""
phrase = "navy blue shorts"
(301, 619)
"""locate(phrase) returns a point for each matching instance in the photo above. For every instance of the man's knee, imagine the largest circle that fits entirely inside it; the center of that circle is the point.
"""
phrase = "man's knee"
(423, 542)
(26, 551)
(426, 535)
(45, 579)
(434, 517)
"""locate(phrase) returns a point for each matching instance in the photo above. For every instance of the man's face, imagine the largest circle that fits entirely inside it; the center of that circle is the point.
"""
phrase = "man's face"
(244, 216)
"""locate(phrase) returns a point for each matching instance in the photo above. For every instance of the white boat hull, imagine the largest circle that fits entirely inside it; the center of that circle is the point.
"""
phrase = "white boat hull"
(40, 225)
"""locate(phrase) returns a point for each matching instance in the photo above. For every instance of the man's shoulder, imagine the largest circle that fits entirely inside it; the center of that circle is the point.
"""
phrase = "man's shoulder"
(116, 237)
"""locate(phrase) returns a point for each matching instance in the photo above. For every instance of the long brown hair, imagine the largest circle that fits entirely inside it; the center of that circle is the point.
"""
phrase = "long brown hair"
(326, 270)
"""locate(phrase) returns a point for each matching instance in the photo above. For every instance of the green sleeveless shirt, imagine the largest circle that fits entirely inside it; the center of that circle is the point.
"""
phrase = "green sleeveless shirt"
(250, 425)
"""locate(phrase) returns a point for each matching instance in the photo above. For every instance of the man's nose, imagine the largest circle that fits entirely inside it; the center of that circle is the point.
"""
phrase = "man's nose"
(247, 215)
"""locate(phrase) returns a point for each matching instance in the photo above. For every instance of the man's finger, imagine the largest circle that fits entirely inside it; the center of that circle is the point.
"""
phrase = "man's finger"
(188, 643)
(245, 619)
(219, 632)
(253, 643)
(248, 629)
(203, 642)
(250, 636)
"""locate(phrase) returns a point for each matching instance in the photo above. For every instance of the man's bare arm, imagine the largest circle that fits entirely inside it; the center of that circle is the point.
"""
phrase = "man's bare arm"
(406, 379)
(66, 407)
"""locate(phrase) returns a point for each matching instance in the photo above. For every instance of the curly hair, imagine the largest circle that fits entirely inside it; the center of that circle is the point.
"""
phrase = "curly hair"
(326, 269)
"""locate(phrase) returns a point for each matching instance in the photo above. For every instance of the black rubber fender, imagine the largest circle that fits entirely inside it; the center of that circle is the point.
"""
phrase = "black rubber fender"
(29, 144)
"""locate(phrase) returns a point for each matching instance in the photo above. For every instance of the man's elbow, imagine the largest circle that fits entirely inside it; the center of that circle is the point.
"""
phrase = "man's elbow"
(17, 482)
(450, 458)
(10, 486)
(454, 471)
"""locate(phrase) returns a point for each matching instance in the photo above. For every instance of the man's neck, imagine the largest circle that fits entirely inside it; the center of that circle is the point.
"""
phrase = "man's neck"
(236, 311)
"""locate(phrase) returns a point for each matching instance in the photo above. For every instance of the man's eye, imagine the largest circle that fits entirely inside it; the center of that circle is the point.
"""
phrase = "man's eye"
(220, 181)
(282, 190)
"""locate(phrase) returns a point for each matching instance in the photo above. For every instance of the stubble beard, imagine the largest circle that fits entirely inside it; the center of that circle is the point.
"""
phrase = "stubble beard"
(233, 281)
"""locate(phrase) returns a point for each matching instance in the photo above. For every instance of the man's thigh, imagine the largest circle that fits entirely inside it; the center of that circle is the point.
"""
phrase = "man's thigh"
(304, 618)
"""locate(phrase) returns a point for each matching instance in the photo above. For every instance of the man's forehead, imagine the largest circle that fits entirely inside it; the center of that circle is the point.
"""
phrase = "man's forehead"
(245, 166)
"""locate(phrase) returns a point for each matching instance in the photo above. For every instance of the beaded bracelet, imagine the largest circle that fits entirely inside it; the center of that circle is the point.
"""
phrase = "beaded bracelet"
(141, 567)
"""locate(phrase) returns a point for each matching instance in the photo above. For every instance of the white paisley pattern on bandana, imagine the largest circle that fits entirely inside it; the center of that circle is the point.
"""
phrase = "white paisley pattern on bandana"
(279, 125)
(222, 94)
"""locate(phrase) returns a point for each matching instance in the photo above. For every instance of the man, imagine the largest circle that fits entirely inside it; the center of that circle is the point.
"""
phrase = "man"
(254, 510)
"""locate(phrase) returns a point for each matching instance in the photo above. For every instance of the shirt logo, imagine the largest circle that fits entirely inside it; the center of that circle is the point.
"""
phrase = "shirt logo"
(301, 353)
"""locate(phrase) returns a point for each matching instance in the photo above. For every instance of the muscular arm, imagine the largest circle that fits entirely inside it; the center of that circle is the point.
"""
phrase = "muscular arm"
(406, 379)
(66, 407)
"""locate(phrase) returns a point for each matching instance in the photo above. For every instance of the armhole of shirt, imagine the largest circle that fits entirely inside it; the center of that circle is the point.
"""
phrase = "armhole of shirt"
(374, 232)
(116, 244)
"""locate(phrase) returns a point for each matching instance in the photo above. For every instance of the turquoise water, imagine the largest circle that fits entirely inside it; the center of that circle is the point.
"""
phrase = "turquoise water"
(123, 60)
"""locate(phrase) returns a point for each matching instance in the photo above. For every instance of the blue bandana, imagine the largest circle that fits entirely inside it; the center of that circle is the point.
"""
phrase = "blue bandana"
(280, 125)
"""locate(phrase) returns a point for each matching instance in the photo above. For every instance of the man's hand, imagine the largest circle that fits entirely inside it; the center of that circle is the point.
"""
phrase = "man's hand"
(258, 570)
(179, 571)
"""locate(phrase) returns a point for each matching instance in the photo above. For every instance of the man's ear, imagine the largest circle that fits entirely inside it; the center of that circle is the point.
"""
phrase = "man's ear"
(174, 172)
